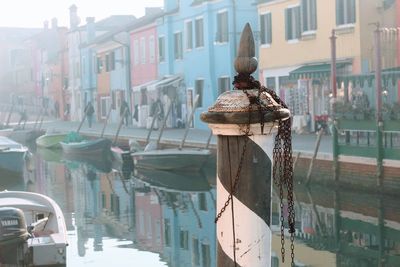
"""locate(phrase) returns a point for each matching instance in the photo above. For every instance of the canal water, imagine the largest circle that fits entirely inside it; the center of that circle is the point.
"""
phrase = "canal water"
(118, 216)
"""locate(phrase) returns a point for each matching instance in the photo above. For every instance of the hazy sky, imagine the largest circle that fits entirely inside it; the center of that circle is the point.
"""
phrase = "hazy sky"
(32, 13)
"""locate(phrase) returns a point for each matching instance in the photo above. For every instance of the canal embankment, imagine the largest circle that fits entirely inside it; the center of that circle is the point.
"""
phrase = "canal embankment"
(354, 172)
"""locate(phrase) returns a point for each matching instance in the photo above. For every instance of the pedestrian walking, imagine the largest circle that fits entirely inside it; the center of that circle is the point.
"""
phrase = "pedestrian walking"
(56, 109)
(89, 111)
(124, 111)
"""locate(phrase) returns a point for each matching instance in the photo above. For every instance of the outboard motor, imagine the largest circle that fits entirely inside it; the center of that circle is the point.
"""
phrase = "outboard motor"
(13, 236)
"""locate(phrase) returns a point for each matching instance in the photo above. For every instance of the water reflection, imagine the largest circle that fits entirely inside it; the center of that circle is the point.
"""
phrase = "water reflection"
(158, 218)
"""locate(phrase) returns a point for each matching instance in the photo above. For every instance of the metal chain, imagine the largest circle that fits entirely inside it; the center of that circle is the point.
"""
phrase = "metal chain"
(282, 156)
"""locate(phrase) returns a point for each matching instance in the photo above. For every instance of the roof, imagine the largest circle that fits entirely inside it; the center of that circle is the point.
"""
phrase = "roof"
(130, 26)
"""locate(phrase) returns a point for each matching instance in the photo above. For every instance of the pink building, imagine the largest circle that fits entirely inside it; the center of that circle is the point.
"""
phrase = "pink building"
(143, 43)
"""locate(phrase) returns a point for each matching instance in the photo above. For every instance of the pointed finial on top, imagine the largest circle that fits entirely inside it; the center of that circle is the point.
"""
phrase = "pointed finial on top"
(246, 63)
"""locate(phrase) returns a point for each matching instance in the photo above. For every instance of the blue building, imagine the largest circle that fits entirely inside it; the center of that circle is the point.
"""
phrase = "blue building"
(198, 40)
(87, 67)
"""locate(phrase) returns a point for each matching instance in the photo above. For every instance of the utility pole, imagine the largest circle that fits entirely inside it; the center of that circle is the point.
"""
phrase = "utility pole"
(335, 148)
(379, 121)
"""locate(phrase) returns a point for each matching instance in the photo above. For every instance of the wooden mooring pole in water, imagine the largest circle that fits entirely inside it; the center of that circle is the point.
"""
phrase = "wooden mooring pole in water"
(244, 120)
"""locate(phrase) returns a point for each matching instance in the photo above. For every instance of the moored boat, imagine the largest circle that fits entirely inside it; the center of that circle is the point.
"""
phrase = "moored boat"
(87, 147)
(12, 155)
(51, 140)
(171, 159)
(33, 231)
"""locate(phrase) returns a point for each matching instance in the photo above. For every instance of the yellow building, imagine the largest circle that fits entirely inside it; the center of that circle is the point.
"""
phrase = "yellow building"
(295, 49)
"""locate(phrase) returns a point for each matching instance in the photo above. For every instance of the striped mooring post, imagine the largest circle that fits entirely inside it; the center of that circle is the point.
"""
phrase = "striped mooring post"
(245, 120)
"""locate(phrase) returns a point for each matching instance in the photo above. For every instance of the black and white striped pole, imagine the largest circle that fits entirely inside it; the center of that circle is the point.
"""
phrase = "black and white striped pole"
(245, 121)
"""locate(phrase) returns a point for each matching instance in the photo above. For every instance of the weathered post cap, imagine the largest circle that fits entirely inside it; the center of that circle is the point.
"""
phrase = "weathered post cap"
(247, 103)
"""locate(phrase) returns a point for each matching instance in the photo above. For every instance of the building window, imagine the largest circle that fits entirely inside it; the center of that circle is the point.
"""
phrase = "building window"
(161, 49)
(178, 45)
(189, 35)
(206, 255)
(222, 27)
(198, 89)
(152, 48)
(199, 30)
(136, 52)
(184, 240)
(345, 12)
(143, 50)
(195, 252)
(292, 19)
(99, 65)
(223, 85)
(202, 202)
(309, 15)
(112, 60)
(104, 107)
(107, 62)
(266, 28)
(167, 232)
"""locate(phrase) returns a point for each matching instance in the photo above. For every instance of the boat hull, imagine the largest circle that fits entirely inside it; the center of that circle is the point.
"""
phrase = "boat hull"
(13, 161)
(48, 243)
(13, 155)
(50, 141)
(171, 159)
(87, 147)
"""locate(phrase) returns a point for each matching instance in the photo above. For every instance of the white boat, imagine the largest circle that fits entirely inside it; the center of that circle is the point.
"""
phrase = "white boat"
(13, 155)
(32, 230)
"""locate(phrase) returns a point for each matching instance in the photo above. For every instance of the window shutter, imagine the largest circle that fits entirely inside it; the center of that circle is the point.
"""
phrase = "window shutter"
(304, 15)
(297, 22)
(219, 27)
(339, 12)
(269, 28)
(287, 24)
(313, 9)
(262, 29)
(352, 11)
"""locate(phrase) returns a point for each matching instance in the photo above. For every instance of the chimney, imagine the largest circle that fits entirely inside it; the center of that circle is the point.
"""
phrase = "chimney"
(54, 23)
(46, 24)
(90, 28)
(73, 17)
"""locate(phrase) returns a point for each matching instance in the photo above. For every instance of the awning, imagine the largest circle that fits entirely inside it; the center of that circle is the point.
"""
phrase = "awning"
(173, 80)
(140, 87)
(314, 71)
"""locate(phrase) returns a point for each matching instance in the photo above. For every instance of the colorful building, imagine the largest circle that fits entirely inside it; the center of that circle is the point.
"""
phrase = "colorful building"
(295, 49)
(197, 41)
(84, 67)
(144, 64)
(115, 70)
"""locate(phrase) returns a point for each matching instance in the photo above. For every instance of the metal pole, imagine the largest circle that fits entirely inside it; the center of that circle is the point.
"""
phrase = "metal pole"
(105, 123)
(335, 148)
(189, 122)
(379, 121)
(164, 122)
(121, 121)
